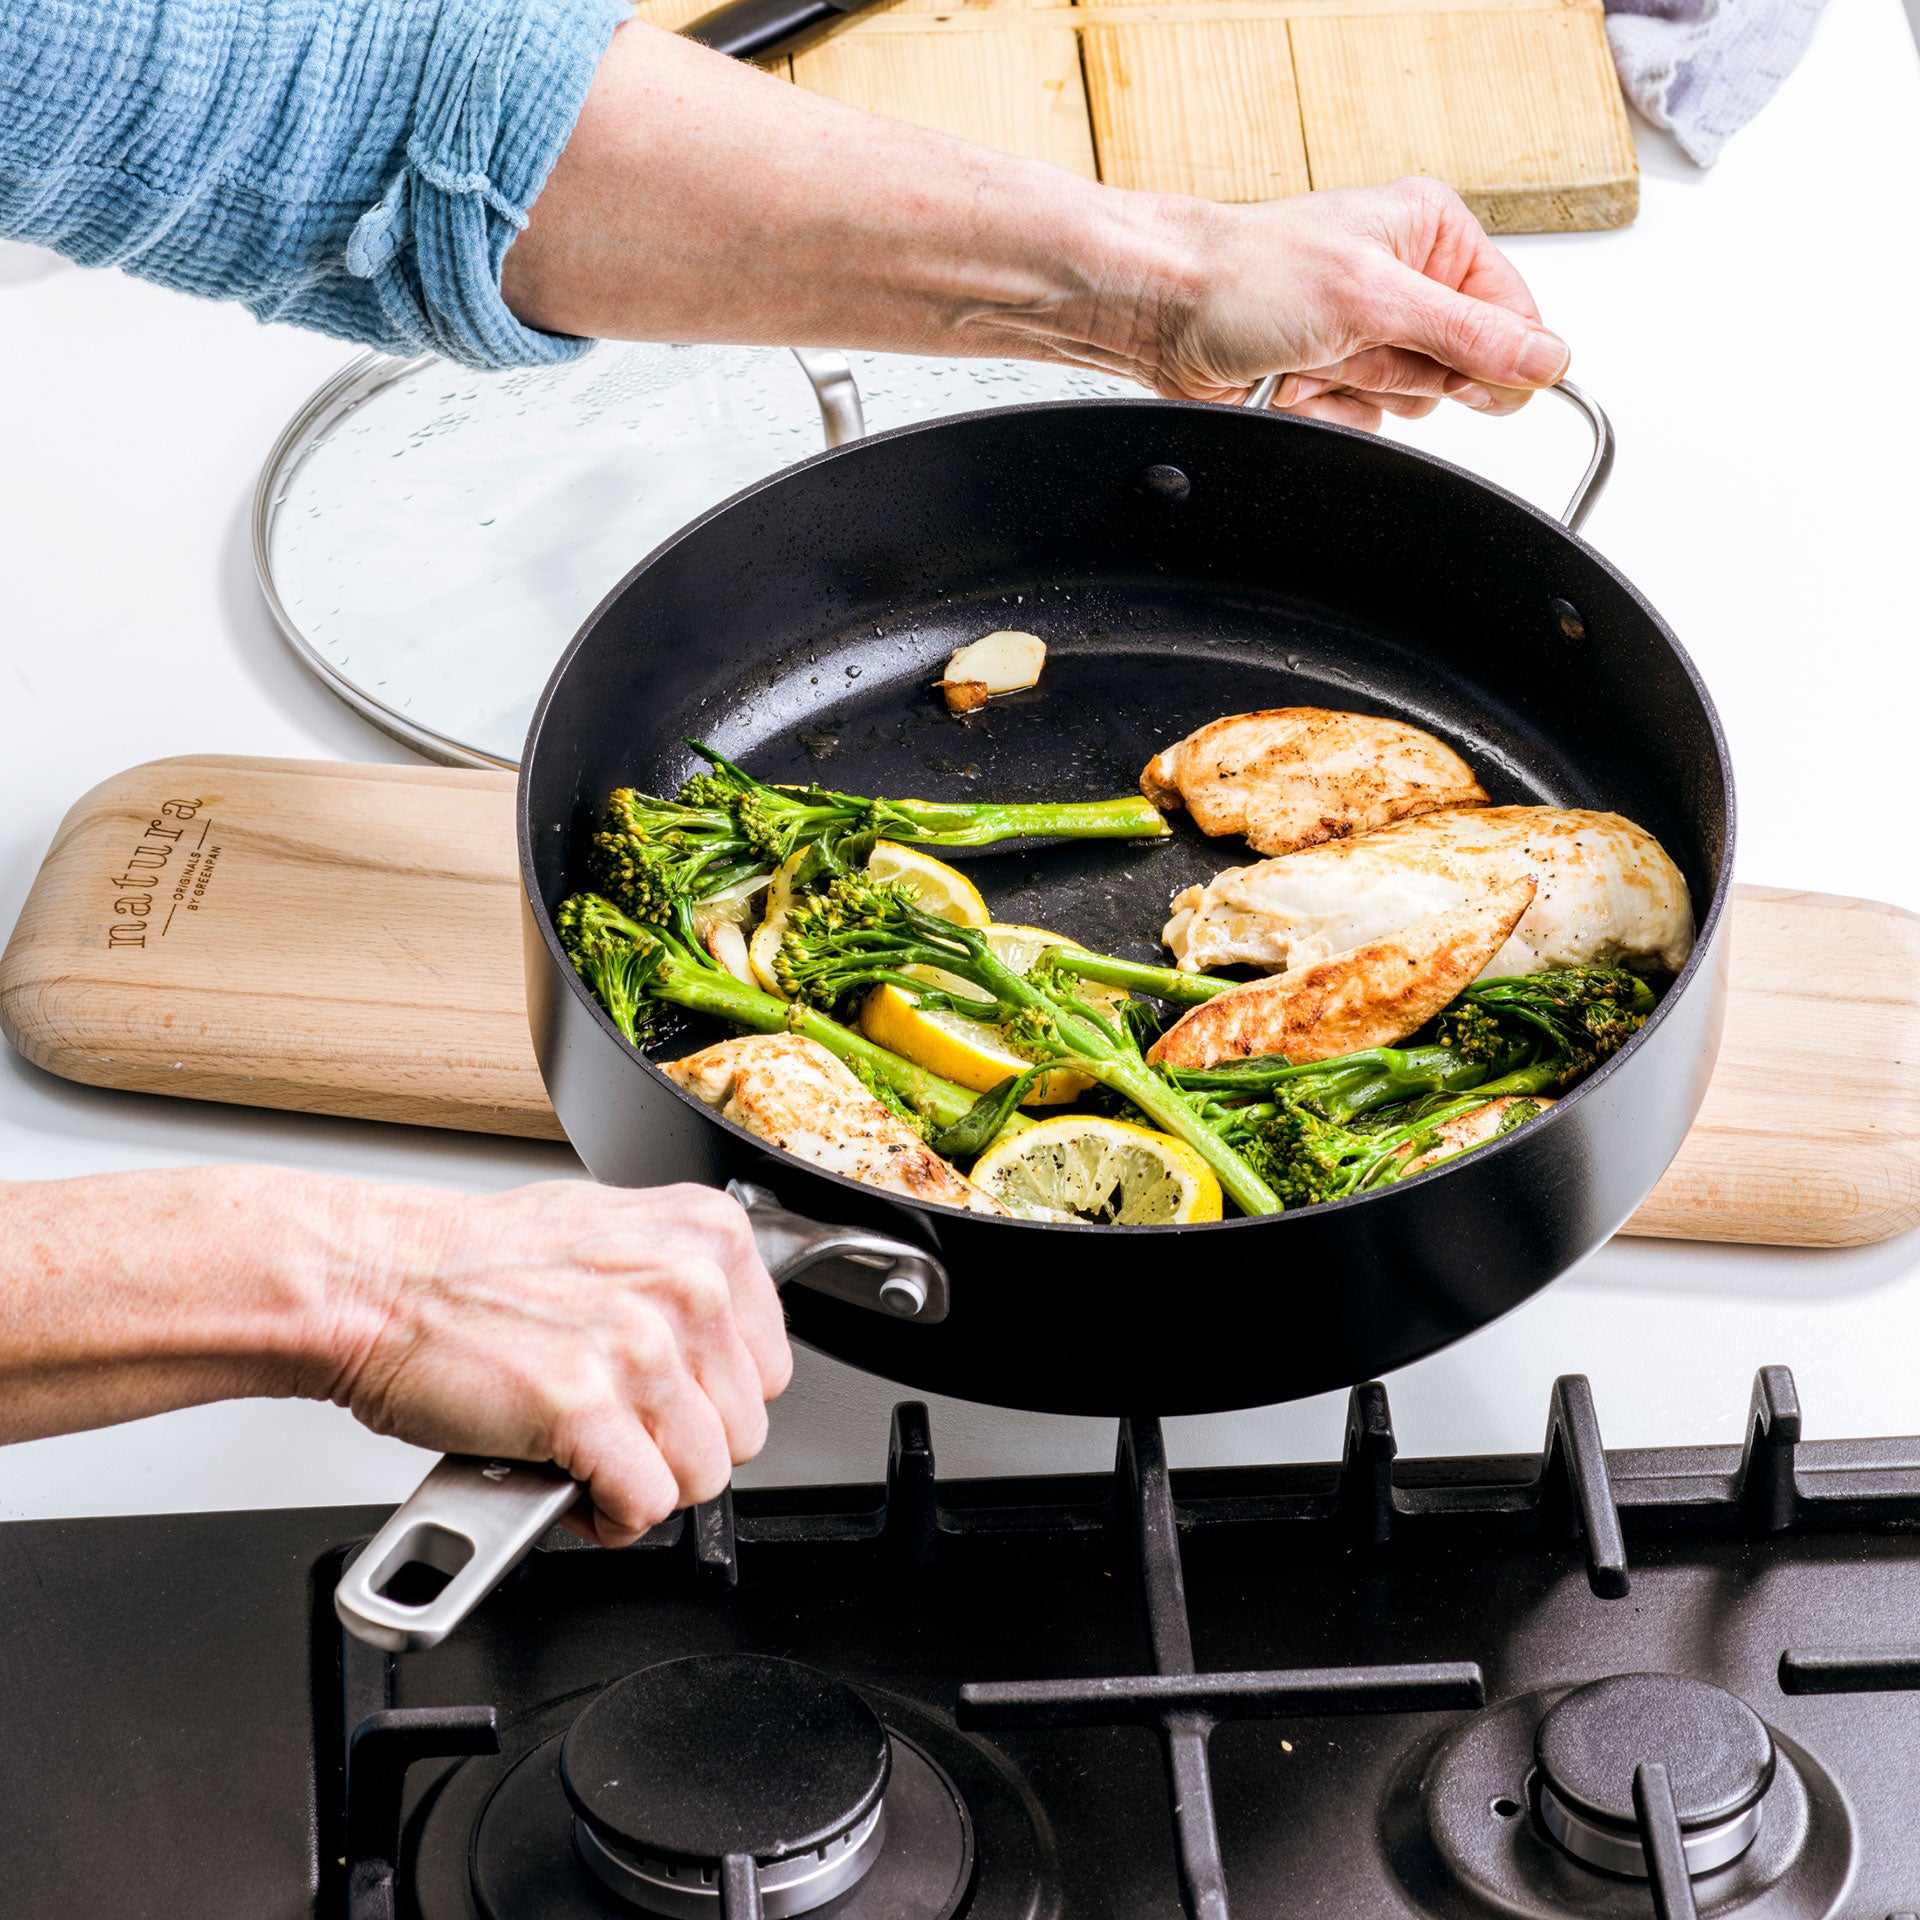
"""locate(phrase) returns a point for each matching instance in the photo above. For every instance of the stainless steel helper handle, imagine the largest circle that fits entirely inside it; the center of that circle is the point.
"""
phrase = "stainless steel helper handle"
(1586, 495)
(841, 416)
(475, 1519)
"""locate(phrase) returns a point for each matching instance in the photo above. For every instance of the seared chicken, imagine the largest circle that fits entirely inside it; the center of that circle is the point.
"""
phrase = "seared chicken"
(1607, 893)
(1294, 776)
(792, 1093)
(1475, 1129)
(1369, 997)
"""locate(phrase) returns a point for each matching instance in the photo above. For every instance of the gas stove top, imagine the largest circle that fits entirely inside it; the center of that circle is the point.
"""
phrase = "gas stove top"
(1651, 1682)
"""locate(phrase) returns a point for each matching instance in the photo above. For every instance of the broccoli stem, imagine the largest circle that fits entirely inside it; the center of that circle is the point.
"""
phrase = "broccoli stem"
(1529, 1082)
(1163, 983)
(935, 823)
(1347, 1085)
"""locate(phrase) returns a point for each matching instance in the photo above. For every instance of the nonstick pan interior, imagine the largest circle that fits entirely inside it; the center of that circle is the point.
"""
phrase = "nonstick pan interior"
(1131, 667)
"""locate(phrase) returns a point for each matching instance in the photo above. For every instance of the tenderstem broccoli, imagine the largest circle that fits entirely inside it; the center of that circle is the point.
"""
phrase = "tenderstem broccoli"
(1276, 1133)
(862, 933)
(1554, 1027)
(627, 964)
(1325, 1129)
(657, 858)
(1309, 1159)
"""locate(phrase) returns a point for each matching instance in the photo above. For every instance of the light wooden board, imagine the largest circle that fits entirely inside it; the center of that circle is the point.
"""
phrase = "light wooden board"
(1019, 91)
(285, 933)
(1504, 107)
(1512, 102)
(1205, 107)
(1810, 1131)
(342, 939)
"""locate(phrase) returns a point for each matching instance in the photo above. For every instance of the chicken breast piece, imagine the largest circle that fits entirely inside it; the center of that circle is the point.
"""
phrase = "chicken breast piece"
(1369, 997)
(792, 1093)
(1607, 894)
(1292, 777)
(1475, 1129)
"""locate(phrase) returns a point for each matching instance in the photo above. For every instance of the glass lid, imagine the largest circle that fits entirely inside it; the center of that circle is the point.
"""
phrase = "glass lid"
(429, 538)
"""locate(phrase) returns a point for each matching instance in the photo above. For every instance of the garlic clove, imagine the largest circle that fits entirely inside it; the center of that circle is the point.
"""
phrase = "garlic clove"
(1001, 662)
(728, 945)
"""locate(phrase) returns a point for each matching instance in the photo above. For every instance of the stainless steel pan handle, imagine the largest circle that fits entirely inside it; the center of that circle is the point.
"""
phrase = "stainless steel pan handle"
(842, 418)
(1586, 496)
(474, 1519)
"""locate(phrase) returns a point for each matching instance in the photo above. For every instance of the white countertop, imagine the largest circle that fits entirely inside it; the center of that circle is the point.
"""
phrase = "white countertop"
(1750, 335)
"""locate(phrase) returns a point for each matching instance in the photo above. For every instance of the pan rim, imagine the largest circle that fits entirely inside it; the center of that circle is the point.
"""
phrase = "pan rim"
(1706, 933)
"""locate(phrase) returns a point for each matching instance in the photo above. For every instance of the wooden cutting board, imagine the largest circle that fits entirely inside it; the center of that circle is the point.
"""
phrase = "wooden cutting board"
(1512, 102)
(344, 939)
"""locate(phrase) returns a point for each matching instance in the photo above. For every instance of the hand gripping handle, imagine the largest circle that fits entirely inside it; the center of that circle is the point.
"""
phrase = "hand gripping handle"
(1586, 495)
(473, 1520)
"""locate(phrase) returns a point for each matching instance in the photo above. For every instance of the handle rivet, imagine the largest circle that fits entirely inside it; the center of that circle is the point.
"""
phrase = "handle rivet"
(903, 1292)
(1569, 620)
(1168, 485)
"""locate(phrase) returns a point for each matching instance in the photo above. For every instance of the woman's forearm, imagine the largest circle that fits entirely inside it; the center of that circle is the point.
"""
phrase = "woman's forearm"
(631, 1335)
(700, 199)
(130, 1294)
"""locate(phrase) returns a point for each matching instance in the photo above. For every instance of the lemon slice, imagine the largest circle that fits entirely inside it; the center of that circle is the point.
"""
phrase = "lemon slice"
(934, 886)
(1079, 1167)
(971, 1052)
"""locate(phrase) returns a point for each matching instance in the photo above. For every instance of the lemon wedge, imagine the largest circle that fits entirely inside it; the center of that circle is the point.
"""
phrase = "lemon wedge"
(971, 1052)
(1080, 1167)
(934, 886)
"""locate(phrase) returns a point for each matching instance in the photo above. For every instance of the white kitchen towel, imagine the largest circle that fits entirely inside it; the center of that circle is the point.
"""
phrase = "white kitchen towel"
(1704, 68)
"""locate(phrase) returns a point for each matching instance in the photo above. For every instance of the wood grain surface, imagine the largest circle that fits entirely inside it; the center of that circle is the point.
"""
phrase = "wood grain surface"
(1506, 107)
(285, 933)
(1019, 91)
(1512, 102)
(345, 939)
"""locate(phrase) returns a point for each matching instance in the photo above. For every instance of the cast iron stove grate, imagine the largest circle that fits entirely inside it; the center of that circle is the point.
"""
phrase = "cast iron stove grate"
(1572, 1792)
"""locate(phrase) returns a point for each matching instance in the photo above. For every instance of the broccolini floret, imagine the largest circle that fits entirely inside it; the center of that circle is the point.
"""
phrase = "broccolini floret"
(1573, 1016)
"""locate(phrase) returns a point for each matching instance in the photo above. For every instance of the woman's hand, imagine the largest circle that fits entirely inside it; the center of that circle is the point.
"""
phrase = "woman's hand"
(632, 1335)
(1378, 300)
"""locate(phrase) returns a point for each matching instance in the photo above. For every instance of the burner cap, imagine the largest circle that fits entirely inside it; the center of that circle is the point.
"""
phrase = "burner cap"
(724, 1754)
(1716, 1749)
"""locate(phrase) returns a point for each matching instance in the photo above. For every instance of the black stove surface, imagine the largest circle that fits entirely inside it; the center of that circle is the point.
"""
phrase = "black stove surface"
(1257, 1692)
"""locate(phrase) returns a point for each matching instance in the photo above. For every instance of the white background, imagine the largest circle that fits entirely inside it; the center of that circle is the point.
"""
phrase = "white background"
(1752, 335)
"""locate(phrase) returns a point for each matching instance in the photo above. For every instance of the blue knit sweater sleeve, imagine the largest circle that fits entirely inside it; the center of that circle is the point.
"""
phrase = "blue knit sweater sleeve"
(355, 166)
